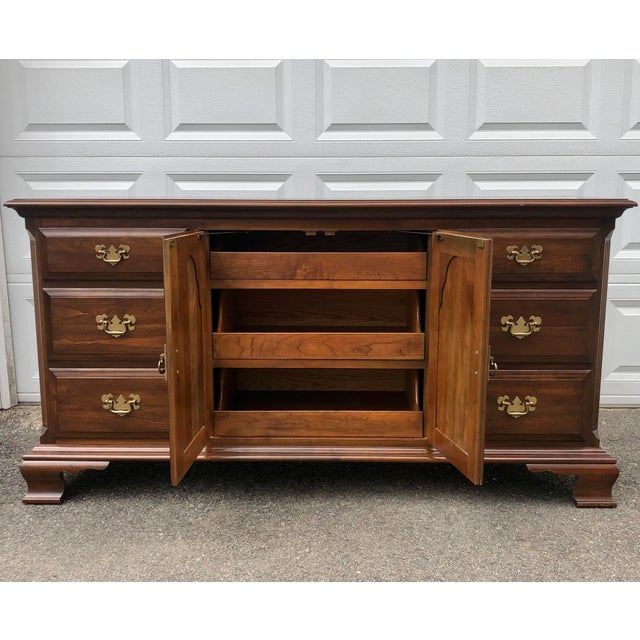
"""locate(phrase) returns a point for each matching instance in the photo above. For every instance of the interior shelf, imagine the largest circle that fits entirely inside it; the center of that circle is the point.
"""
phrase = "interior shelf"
(283, 310)
(343, 326)
(318, 403)
(292, 259)
(318, 335)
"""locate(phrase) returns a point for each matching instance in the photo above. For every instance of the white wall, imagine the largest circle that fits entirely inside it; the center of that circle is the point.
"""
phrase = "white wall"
(324, 129)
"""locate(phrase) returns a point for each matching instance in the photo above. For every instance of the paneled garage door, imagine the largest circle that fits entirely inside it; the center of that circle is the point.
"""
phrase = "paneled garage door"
(321, 129)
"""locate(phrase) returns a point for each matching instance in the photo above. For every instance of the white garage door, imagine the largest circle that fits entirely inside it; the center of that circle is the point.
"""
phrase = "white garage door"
(322, 129)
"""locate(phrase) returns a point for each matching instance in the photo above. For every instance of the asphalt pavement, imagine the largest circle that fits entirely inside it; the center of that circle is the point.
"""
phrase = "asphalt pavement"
(317, 522)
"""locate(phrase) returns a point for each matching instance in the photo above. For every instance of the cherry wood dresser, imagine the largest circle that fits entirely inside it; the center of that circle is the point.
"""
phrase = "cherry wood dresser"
(459, 331)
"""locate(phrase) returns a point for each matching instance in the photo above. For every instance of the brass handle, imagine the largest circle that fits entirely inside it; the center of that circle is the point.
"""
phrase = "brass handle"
(112, 255)
(524, 255)
(521, 328)
(493, 366)
(120, 406)
(115, 327)
(517, 408)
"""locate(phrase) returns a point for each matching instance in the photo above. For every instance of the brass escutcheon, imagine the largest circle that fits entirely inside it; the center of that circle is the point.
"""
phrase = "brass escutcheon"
(521, 328)
(115, 327)
(517, 408)
(120, 406)
(524, 255)
(112, 255)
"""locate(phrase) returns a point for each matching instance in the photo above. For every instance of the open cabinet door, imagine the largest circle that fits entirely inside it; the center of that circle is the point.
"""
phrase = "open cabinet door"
(188, 351)
(459, 290)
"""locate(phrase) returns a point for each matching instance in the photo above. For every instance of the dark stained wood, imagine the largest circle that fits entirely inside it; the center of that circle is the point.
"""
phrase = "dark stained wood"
(559, 413)
(309, 423)
(77, 397)
(566, 333)
(314, 379)
(387, 270)
(45, 479)
(593, 482)
(319, 309)
(322, 346)
(74, 331)
(458, 323)
(567, 287)
(72, 252)
(520, 210)
(188, 353)
(305, 363)
(591, 398)
(378, 449)
(566, 255)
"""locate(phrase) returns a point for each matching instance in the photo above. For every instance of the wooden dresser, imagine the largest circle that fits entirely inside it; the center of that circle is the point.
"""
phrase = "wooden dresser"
(460, 331)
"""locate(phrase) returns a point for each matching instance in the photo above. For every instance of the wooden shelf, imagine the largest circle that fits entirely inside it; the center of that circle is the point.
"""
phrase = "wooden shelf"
(309, 423)
(352, 270)
(318, 346)
(347, 327)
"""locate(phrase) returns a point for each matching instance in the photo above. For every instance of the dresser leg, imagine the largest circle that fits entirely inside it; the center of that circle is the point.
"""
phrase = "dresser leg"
(45, 482)
(593, 483)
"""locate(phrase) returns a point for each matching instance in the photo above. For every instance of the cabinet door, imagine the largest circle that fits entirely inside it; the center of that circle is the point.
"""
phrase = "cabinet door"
(459, 287)
(188, 351)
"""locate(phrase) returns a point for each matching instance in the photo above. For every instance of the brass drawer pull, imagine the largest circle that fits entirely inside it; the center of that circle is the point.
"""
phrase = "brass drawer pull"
(521, 328)
(517, 408)
(115, 327)
(112, 255)
(524, 255)
(120, 406)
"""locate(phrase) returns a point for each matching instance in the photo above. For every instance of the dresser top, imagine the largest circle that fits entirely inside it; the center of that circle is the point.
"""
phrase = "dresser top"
(567, 207)
(216, 202)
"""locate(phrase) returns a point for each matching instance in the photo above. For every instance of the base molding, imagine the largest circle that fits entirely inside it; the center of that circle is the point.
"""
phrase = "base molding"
(595, 470)
(593, 482)
(45, 480)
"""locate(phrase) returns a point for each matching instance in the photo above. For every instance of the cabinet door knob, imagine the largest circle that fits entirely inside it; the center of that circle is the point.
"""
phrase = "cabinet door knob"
(112, 255)
(517, 408)
(115, 327)
(120, 406)
(521, 328)
(524, 255)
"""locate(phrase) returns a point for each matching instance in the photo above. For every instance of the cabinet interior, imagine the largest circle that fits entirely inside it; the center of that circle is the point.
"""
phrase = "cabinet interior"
(280, 309)
(318, 389)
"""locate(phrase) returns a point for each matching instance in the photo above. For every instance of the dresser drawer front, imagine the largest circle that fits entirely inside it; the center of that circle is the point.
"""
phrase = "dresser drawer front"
(543, 326)
(103, 253)
(538, 405)
(545, 255)
(110, 404)
(106, 325)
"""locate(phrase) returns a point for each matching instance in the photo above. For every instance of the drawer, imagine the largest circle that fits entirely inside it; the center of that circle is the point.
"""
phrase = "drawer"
(537, 326)
(318, 424)
(322, 346)
(544, 405)
(109, 403)
(349, 270)
(318, 403)
(103, 253)
(106, 325)
(545, 255)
